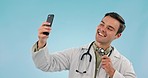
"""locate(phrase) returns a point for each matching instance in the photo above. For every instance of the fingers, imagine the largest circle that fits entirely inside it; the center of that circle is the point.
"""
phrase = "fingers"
(45, 27)
(105, 58)
(105, 61)
(107, 65)
(45, 24)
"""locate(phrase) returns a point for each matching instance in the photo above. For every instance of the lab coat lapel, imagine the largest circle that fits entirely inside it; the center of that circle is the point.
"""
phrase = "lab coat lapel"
(115, 56)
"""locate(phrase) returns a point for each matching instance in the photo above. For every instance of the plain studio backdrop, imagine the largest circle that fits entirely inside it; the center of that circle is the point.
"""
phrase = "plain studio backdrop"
(74, 25)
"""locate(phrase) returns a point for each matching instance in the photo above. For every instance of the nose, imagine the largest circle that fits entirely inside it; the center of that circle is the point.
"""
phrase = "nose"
(102, 29)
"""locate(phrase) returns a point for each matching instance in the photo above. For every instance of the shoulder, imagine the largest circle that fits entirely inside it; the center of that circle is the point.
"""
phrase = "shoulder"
(75, 49)
(119, 56)
(122, 64)
(82, 47)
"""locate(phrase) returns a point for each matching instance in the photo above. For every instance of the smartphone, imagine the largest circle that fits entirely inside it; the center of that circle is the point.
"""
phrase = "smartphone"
(49, 20)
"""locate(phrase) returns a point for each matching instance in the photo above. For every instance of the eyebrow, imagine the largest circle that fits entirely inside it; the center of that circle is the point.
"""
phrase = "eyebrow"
(108, 25)
(103, 22)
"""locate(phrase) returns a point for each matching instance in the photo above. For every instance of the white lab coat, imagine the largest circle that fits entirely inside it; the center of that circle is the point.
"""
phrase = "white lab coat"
(70, 60)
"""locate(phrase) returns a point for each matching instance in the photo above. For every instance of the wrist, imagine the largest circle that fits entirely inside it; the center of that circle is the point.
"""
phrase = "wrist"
(111, 74)
(41, 44)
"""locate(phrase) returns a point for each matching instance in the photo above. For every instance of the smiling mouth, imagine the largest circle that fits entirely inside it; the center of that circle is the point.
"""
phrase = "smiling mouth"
(101, 34)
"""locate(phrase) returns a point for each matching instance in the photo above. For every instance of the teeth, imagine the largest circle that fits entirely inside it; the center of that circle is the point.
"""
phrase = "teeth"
(101, 34)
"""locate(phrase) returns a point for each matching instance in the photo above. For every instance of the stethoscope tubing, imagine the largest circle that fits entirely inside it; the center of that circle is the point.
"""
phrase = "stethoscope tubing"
(88, 53)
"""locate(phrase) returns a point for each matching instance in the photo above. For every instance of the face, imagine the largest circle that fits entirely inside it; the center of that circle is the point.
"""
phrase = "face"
(106, 30)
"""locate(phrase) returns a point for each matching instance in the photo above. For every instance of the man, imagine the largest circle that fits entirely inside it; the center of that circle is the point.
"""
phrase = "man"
(96, 60)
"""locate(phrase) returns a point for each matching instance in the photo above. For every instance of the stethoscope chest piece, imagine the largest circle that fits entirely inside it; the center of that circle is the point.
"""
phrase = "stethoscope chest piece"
(101, 51)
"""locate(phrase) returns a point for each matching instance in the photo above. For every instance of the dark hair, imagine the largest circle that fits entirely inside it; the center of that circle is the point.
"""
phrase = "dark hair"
(119, 18)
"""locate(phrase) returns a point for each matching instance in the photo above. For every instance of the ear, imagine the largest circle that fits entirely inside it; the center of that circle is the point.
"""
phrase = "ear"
(118, 35)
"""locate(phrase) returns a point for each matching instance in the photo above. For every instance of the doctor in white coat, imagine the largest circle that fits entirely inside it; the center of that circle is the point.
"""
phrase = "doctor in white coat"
(96, 60)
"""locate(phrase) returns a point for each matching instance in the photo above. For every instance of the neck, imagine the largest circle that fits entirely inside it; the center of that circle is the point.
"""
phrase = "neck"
(101, 45)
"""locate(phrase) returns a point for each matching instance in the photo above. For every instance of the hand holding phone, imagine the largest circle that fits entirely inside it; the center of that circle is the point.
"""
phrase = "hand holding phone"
(49, 20)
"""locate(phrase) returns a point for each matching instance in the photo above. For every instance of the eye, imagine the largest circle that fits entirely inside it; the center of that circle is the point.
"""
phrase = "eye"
(101, 24)
(109, 28)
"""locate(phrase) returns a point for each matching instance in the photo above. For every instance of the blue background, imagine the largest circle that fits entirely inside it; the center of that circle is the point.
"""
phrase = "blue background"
(74, 25)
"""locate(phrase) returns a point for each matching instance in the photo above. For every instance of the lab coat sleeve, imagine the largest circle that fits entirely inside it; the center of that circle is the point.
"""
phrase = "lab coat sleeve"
(50, 62)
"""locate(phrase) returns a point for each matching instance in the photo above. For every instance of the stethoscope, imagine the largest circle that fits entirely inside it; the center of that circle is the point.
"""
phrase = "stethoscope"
(101, 52)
